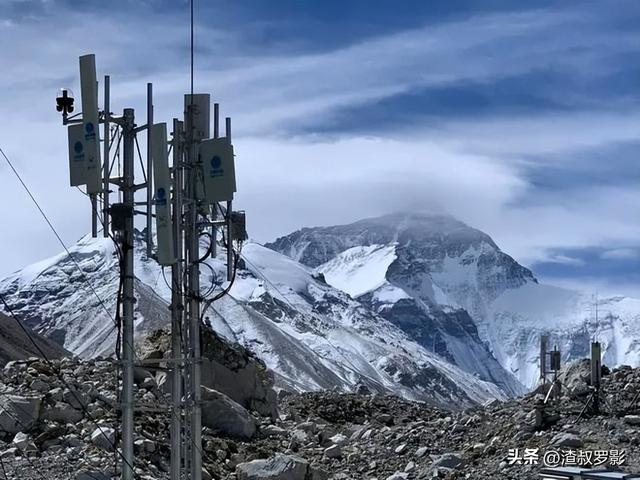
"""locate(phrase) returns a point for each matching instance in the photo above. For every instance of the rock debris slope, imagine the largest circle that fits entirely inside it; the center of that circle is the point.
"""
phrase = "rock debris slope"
(316, 435)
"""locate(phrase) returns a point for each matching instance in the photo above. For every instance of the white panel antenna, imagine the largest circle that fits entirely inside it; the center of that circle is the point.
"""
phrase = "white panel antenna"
(89, 93)
(201, 114)
(77, 156)
(219, 174)
(162, 182)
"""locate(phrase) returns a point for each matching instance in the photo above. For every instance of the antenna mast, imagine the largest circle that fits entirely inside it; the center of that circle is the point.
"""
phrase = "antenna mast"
(182, 199)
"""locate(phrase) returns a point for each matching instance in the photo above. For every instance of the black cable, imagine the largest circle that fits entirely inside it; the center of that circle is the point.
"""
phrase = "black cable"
(84, 276)
(210, 249)
(117, 152)
(210, 301)
(144, 173)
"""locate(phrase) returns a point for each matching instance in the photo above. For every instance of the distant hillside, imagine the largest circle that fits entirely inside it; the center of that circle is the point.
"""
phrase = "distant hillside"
(15, 344)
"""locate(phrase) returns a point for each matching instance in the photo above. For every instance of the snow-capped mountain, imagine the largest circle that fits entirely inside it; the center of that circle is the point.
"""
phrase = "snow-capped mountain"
(312, 335)
(452, 290)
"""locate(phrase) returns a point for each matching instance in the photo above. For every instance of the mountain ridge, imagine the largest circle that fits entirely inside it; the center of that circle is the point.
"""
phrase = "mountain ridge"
(442, 266)
(311, 335)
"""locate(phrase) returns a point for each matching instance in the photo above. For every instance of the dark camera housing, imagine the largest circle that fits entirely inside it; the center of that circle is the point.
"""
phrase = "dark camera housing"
(64, 101)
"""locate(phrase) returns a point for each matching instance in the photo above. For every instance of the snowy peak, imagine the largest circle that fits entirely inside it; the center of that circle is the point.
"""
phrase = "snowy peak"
(425, 243)
(451, 289)
(415, 270)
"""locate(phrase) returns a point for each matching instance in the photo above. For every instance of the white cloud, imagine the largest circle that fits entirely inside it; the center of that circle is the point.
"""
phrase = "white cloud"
(621, 254)
(473, 169)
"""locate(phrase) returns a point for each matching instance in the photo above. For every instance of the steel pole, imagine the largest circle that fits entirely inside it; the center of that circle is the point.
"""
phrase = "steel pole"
(107, 140)
(214, 215)
(128, 302)
(149, 169)
(229, 210)
(193, 256)
(177, 305)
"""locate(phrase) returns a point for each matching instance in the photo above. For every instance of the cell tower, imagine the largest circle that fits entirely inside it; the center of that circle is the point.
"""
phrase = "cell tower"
(185, 200)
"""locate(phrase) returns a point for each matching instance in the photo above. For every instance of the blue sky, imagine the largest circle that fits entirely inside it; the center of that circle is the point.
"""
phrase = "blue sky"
(520, 118)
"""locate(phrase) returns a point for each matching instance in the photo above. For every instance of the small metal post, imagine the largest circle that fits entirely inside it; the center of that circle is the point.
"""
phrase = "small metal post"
(229, 210)
(543, 358)
(149, 169)
(107, 140)
(177, 305)
(596, 373)
(128, 301)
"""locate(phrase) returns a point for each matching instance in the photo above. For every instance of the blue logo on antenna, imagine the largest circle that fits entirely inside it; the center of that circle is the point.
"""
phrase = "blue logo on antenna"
(78, 147)
(161, 196)
(88, 128)
(216, 161)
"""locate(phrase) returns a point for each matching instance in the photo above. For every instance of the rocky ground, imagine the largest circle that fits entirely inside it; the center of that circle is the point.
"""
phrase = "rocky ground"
(59, 421)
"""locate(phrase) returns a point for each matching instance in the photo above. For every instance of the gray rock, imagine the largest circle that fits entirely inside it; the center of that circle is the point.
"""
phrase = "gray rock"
(145, 445)
(9, 453)
(21, 440)
(567, 440)
(62, 413)
(280, 467)
(228, 368)
(339, 439)
(104, 437)
(334, 451)
(448, 460)
(221, 413)
(18, 413)
(632, 419)
(400, 449)
(75, 398)
(39, 386)
(421, 452)
(385, 419)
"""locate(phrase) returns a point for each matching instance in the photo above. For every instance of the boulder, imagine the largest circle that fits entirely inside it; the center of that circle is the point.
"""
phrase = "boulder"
(576, 377)
(227, 367)
(279, 467)
(334, 451)
(221, 413)
(448, 460)
(62, 413)
(21, 440)
(632, 419)
(18, 413)
(104, 437)
(567, 440)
